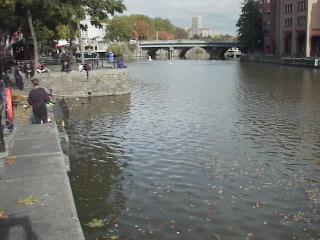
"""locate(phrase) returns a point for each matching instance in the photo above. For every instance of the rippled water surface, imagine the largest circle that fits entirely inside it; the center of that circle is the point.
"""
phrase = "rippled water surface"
(201, 150)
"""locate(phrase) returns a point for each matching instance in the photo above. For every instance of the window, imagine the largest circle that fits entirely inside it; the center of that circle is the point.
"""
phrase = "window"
(267, 37)
(288, 8)
(302, 21)
(288, 22)
(302, 6)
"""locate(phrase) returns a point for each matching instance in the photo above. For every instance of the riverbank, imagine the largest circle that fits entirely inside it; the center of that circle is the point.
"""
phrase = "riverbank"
(36, 198)
(290, 61)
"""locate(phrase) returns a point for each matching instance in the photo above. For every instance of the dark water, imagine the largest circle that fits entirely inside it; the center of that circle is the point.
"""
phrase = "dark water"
(201, 150)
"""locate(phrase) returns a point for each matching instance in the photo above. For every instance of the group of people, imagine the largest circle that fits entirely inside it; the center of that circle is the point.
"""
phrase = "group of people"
(29, 70)
(82, 67)
(120, 63)
(37, 98)
(18, 79)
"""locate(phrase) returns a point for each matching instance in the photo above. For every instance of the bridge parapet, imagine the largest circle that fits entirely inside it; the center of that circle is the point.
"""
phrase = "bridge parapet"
(183, 41)
(214, 48)
(188, 44)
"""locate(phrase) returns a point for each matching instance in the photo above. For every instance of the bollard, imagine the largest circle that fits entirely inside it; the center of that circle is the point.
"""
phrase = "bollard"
(2, 143)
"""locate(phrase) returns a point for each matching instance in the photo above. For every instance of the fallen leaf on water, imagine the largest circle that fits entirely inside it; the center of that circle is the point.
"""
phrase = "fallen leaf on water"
(3, 215)
(300, 217)
(314, 196)
(95, 223)
(27, 201)
(114, 237)
(250, 236)
(10, 160)
(259, 205)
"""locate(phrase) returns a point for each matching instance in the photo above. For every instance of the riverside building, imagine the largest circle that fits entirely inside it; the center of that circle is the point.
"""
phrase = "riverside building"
(299, 28)
(268, 9)
(291, 27)
(93, 38)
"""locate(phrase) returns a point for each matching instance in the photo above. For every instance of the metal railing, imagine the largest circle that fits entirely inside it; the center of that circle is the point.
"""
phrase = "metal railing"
(55, 64)
(4, 65)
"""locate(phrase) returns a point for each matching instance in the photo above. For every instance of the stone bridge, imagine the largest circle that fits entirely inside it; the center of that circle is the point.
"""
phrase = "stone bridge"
(181, 48)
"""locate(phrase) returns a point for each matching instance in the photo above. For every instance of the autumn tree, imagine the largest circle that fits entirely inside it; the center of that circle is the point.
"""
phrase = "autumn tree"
(141, 27)
(163, 35)
(180, 33)
(121, 29)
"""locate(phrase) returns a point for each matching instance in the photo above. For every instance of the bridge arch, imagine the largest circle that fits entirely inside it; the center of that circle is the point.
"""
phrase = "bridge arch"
(197, 53)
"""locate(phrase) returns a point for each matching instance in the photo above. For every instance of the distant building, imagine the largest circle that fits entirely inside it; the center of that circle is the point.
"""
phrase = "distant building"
(205, 32)
(196, 25)
(93, 38)
(197, 29)
(299, 28)
(291, 27)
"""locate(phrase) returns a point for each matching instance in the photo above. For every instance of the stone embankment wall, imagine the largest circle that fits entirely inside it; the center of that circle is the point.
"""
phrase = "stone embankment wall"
(290, 61)
(101, 82)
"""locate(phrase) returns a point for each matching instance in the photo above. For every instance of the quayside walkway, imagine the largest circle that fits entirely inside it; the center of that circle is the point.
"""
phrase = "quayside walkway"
(36, 201)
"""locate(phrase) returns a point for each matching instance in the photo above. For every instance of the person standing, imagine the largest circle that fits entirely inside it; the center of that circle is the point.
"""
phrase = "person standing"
(65, 67)
(28, 71)
(6, 79)
(111, 58)
(87, 68)
(38, 97)
(18, 78)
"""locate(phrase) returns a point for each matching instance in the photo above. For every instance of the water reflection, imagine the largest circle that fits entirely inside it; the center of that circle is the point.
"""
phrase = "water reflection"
(278, 111)
(86, 108)
(97, 173)
(202, 150)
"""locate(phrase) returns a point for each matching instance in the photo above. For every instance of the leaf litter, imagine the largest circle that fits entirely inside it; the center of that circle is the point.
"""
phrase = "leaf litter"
(30, 200)
(10, 160)
(96, 223)
(3, 215)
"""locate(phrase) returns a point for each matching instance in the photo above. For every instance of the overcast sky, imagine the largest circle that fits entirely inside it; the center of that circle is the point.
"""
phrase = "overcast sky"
(219, 15)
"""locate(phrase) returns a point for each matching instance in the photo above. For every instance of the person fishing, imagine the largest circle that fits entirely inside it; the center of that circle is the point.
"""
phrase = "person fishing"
(38, 98)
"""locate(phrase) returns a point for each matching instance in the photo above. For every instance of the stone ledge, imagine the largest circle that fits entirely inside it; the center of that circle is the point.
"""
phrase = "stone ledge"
(101, 82)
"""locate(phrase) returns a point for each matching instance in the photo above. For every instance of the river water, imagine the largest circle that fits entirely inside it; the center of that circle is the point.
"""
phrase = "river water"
(200, 150)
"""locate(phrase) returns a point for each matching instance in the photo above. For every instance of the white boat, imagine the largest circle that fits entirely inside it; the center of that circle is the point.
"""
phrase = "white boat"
(233, 53)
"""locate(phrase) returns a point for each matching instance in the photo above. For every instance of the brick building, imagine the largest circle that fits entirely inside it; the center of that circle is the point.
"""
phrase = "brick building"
(299, 28)
(269, 11)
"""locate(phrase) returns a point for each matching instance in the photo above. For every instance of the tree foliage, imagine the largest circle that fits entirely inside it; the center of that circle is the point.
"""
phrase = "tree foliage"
(181, 33)
(250, 27)
(139, 27)
(52, 19)
(117, 48)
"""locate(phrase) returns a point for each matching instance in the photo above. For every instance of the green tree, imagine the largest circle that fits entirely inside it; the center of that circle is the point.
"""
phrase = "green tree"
(46, 20)
(36, 19)
(117, 48)
(250, 27)
(120, 28)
